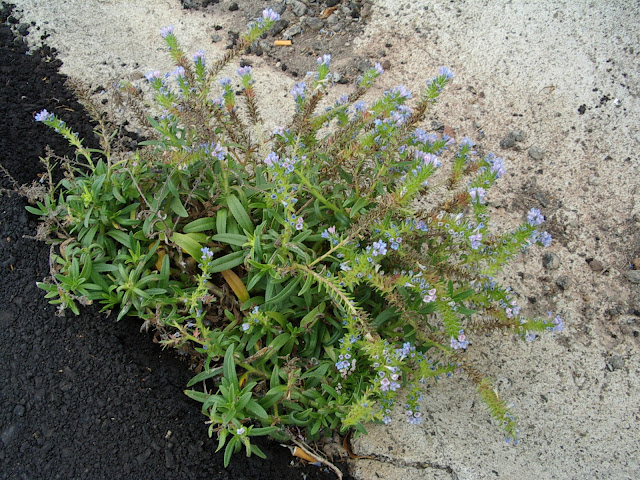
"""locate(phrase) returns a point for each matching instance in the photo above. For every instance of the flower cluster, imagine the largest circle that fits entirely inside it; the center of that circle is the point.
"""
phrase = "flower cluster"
(460, 342)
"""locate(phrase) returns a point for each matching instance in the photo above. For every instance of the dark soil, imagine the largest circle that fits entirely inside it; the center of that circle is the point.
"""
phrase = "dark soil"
(84, 397)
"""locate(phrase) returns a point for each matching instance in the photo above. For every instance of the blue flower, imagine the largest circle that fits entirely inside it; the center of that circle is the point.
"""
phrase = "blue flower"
(298, 91)
(446, 72)
(379, 248)
(545, 239)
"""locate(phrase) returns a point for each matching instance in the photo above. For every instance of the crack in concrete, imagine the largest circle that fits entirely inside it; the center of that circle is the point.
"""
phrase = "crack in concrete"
(417, 465)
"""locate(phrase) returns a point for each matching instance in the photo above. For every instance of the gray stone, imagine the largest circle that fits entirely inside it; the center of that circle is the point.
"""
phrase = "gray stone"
(550, 261)
(363, 65)
(333, 19)
(536, 153)
(596, 265)
(633, 276)
(615, 362)
(518, 135)
(279, 26)
(562, 282)
(508, 141)
(298, 8)
(292, 31)
(314, 24)
(215, 38)
(512, 137)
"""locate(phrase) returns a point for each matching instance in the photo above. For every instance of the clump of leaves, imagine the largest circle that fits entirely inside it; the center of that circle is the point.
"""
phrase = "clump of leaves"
(295, 266)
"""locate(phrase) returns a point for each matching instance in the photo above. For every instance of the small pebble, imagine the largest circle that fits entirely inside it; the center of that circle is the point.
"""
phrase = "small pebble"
(596, 265)
(233, 7)
(298, 8)
(562, 282)
(550, 261)
(615, 362)
(536, 153)
(633, 276)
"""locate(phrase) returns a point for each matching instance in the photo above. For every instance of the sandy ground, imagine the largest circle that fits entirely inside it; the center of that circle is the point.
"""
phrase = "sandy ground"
(565, 73)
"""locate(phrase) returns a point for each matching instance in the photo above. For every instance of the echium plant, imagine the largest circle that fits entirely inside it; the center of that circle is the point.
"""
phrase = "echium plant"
(312, 273)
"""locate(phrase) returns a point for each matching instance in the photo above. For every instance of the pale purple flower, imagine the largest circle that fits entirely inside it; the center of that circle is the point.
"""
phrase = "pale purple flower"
(244, 71)
(225, 82)
(178, 72)
(298, 91)
(545, 239)
(240, 431)
(400, 91)
(379, 69)
(151, 76)
(467, 142)
(496, 165)
(270, 14)
(384, 384)
(475, 240)
(558, 324)
(534, 217)
(43, 116)
(448, 74)
(430, 297)
(198, 57)
(324, 60)
(245, 327)
(272, 159)
(166, 31)
(477, 194)
(206, 253)
(461, 342)
(379, 248)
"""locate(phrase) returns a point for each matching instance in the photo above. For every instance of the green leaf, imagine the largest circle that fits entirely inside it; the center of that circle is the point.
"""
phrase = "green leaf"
(200, 225)
(273, 396)
(259, 431)
(204, 375)
(221, 221)
(188, 244)
(239, 213)
(284, 293)
(255, 449)
(229, 367)
(259, 412)
(121, 237)
(330, 390)
(228, 451)
(311, 316)
(227, 262)
(197, 396)
(230, 239)
(458, 297)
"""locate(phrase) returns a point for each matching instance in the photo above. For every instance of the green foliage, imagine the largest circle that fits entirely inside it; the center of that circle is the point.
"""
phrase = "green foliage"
(295, 267)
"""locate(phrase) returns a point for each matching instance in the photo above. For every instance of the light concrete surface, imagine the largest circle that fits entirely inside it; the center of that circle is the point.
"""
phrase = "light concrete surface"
(567, 74)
